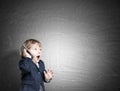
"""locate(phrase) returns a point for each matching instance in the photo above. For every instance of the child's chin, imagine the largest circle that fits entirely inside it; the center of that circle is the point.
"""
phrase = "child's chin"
(37, 60)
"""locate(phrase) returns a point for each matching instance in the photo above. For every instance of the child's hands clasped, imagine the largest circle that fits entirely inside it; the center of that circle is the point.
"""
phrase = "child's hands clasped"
(48, 75)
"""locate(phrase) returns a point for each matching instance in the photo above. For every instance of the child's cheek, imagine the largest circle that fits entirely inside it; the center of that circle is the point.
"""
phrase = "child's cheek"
(32, 52)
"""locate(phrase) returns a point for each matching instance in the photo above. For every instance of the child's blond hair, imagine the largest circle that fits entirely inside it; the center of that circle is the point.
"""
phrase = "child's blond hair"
(27, 44)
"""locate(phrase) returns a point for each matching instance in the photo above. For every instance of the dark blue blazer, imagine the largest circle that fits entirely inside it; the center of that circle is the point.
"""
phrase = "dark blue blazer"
(32, 77)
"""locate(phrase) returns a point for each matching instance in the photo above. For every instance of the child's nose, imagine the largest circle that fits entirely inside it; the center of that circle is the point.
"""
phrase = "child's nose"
(39, 52)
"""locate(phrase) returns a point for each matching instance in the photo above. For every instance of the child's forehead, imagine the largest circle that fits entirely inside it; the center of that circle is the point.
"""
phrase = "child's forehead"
(35, 45)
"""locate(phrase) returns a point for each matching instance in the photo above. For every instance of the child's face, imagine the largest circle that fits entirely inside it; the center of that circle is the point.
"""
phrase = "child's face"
(35, 50)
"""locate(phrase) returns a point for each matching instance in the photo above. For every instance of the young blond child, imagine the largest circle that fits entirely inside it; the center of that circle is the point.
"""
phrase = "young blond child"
(33, 73)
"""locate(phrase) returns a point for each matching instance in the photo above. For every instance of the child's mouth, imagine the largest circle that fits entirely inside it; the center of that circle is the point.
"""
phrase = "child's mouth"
(38, 56)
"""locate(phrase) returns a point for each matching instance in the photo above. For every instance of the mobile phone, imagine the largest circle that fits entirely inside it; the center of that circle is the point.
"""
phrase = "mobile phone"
(27, 50)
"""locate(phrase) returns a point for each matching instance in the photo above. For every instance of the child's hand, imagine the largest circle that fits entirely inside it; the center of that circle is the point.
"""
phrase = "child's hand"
(48, 75)
(26, 54)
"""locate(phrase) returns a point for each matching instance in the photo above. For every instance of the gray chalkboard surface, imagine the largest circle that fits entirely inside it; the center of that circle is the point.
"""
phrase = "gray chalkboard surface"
(80, 41)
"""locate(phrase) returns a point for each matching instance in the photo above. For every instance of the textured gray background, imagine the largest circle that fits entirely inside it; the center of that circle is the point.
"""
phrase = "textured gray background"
(81, 42)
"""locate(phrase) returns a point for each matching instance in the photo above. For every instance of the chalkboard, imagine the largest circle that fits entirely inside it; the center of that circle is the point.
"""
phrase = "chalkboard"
(80, 42)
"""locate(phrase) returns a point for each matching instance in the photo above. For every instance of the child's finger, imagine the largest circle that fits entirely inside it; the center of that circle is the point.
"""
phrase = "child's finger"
(49, 70)
(45, 72)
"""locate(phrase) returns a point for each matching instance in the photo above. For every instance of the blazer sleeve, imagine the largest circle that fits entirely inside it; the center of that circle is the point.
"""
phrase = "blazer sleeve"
(25, 64)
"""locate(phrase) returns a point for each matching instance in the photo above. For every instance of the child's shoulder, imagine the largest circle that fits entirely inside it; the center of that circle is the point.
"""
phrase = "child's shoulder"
(41, 61)
(25, 58)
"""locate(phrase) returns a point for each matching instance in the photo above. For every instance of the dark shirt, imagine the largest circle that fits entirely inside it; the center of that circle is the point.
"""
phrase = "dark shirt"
(32, 77)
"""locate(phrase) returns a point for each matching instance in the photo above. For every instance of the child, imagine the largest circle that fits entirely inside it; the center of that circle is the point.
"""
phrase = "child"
(32, 67)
